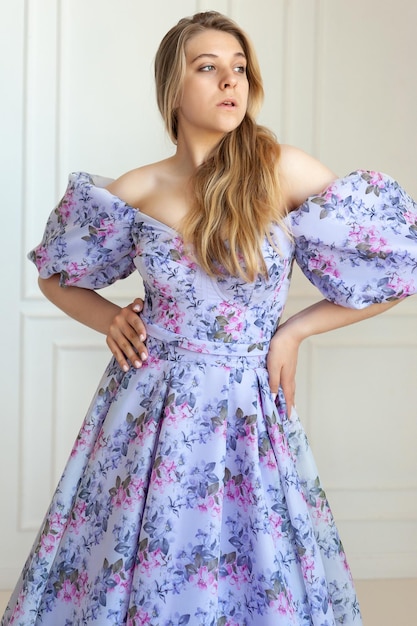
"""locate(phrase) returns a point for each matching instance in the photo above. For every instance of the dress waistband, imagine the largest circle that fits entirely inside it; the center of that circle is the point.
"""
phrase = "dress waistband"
(216, 348)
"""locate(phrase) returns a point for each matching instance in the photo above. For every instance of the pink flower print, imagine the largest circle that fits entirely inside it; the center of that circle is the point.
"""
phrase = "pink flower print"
(82, 440)
(177, 414)
(378, 244)
(75, 273)
(164, 474)
(107, 228)
(150, 562)
(205, 579)
(410, 217)
(251, 438)
(178, 244)
(68, 591)
(196, 347)
(125, 494)
(144, 430)
(120, 498)
(65, 208)
(345, 564)
(275, 524)
(153, 361)
(140, 618)
(122, 583)
(137, 485)
(234, 327)
(51, 535)
(240, 576)
(376, 179)
(145, 564)
(47, 545)
(283, 604)
(77, 518)
(329, 195)
(231, 319)
(101, 443)
(169, 315)
(42, 256)
(323, 265)
(81, 588)
(19, 611)
(212, 503)
(164, 290)
(308, 567)
(321, 512)
(370, 238)
(358, 233)
(241, 490)
(180, 254)
(57, 523)
(401, 287)
(270, 460)
(279, 442)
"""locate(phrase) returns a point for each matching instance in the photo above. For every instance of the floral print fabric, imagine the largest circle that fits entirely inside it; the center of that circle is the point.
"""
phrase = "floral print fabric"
(357, 240)
(191, 496)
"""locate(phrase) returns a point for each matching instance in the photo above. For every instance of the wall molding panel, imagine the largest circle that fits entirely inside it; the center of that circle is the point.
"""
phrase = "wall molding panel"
(62, 366)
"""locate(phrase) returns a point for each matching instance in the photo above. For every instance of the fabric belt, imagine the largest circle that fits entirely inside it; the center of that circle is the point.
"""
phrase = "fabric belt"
(180, 344)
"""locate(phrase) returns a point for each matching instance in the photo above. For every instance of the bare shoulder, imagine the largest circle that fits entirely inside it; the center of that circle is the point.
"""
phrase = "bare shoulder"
(137, 184)
(301, 175)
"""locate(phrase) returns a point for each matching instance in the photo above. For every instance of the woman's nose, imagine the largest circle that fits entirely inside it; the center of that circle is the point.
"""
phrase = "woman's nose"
(229, 81)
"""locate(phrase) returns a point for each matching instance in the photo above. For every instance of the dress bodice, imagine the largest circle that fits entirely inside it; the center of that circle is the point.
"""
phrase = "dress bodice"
(183, 299)
(356, 242)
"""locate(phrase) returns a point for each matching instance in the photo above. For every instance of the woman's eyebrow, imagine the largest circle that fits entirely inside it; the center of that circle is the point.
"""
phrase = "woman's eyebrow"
(216, 56)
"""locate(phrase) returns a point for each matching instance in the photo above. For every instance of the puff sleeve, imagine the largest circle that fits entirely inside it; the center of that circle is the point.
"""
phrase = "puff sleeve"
(357, 240)
(88, 236)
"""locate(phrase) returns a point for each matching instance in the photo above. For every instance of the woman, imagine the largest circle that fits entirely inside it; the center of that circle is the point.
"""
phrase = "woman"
(191, 496)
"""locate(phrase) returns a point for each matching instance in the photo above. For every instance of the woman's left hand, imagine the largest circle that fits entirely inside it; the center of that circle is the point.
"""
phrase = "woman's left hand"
(282, 364)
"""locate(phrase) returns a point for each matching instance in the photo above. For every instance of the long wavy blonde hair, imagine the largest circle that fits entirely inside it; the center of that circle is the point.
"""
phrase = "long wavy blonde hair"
(236, 190)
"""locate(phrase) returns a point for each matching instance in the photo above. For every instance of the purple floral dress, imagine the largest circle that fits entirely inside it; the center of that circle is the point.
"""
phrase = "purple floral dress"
(190, 496)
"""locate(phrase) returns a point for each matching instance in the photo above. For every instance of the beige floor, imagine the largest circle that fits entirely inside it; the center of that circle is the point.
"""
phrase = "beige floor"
(388, 602)
(383, 602)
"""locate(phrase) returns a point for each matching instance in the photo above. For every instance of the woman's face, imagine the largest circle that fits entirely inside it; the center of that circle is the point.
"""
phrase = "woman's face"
(215, 89)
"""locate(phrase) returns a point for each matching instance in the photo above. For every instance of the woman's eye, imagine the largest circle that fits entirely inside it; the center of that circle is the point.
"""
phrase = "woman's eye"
(241, 69)
(207, 68)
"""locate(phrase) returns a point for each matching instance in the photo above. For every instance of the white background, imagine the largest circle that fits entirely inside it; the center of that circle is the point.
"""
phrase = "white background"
(77, 94)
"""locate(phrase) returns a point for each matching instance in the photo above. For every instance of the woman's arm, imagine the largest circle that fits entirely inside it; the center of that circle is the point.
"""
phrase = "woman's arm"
(301, 175)
(90, 308)
(315, 319)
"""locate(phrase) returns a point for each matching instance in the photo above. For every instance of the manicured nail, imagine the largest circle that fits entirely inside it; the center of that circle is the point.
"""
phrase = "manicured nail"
(137, 308)
(143, 356)
(142, 337)
(137, 364)
(125, 368)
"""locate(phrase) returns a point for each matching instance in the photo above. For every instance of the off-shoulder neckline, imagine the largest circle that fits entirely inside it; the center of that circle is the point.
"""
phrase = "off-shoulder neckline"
(137, 210)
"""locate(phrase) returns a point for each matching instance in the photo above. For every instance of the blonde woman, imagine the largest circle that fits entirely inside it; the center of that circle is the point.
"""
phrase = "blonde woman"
(191, 495)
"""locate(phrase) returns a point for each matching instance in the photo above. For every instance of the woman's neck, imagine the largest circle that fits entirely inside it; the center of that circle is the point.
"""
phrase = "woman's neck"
(193, 151)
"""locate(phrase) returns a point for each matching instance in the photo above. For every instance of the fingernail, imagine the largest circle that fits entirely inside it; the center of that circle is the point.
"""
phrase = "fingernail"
(136, 308)
(125, 368)
(137, 364)
(142, 337)
(143, 356)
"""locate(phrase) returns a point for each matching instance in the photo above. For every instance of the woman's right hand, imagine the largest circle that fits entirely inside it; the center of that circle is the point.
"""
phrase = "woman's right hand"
(127, 335)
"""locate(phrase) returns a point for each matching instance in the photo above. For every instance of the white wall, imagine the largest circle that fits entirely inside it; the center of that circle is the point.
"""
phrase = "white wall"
(77, 93)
